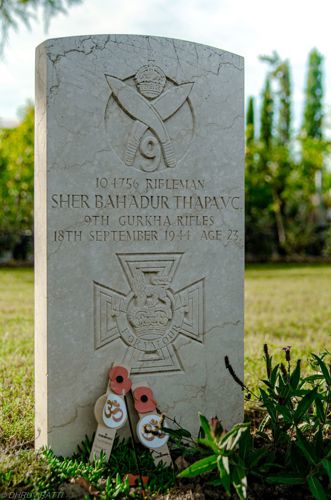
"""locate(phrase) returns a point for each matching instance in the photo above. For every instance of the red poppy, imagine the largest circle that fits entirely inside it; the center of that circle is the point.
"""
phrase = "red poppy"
(143, 400)
(119, 380)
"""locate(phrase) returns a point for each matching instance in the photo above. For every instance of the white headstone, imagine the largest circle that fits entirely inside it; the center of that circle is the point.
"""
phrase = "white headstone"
(139, 244)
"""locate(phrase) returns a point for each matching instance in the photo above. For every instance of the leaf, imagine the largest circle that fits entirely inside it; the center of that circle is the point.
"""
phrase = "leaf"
(323, 368)
(312, 378)
(265, 466)
(282, 386)
(257, 456)
(301, 392)
(318, 442)
(304, 404)
(327, 466)
(209, 439)
(202, 466)
(274, 375)
(230, 440)
(284, 478)
(205, 426)
(263, 425)
(185, 433)
(285, 412)
(316, 488)
(295, 377)
(215, 482)
(306, 448)
(245, 445)
(269, 405)
(263, 435)
(224, 471)
(177, 433)
(206, 442)
(319, 409)
(239, 481)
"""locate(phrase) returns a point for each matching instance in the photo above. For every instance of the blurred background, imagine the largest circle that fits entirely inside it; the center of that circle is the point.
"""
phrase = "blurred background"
(288, 107)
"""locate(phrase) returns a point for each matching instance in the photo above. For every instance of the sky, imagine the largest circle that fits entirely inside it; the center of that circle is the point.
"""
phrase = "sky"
(249, 28)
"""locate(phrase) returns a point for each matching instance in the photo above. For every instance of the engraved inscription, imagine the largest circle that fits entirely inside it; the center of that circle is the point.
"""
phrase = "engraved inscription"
(151, 143)
(151, 316)
(145, 209)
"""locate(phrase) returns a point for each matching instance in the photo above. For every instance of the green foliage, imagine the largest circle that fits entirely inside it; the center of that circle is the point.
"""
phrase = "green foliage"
(267, 114)
(16, 180)
(297, 422)
(282, 73)
(12, 12)
(291, 446)
(229, 451)
(275, 153)
(49, 474)
(314, 151)
(287, 193)
(313, 109)
(294, 401)
(250, 122)
(279, 74)
(327, 246)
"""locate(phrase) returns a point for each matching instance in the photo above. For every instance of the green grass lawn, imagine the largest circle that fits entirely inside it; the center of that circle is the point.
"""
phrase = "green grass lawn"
(285, 305)
(16, 354)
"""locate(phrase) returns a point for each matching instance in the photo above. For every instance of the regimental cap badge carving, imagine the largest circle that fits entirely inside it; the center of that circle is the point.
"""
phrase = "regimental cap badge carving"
(150, 80)
(154, 141)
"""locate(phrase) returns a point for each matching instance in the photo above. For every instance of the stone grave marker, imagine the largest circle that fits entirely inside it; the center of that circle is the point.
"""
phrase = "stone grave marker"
(139, 242)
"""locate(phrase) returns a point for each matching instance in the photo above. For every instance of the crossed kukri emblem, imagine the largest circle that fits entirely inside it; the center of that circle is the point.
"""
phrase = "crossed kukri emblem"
(149, 114)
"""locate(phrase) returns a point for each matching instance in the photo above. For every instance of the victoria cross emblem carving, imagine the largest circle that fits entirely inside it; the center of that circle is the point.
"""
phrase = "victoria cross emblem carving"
(150, 104)
(151, 316)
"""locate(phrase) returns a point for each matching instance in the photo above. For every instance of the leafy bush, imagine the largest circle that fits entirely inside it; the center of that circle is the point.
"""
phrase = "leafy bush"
(291, 446)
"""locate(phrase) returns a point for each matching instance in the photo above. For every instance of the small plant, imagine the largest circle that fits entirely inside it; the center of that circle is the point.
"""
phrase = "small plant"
(108, 479)
(298, 416)
(226, 457)
(291, 446)
(45, 474)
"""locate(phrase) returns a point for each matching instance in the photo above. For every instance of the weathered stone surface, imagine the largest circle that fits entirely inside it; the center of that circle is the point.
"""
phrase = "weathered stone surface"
(139, 227)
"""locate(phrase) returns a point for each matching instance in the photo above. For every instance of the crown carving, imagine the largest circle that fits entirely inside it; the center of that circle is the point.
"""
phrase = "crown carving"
(150, 80)
(147, 320)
